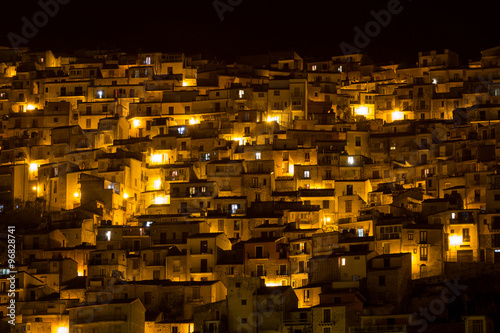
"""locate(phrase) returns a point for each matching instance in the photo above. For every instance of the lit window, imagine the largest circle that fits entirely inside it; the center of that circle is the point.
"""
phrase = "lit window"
(181, 130)
(258, 156)
(343, 261)
(314, 67)
(192, 190)
(108, 235)
(453, 216)
(148, 61)
(203, 189)
(100, 93)
(350, 160)
(434, 81)
(360, 232)
(241, 93)
(340, 69)
(306, 174)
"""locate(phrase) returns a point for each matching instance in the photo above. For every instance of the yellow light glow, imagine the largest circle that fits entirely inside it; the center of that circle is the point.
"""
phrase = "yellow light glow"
(30, 107)
(291, 170)
(361, 110)
(456, 240)
(156, 158)
(273, 284)
(125, 195)
(185, 84)
(328, 219)
(80, 273)
(34, 188)
(271, 119)
(76, 194)
(194, 121)
(397, 115)
(62, 329)
(240, 140)
(136, 123)
(157, 184)
(161, 200)
(33, 167)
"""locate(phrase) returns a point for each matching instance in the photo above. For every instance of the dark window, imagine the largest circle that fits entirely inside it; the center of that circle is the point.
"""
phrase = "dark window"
(381, 280)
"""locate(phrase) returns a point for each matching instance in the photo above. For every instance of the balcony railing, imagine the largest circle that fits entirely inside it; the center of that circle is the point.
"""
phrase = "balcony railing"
(200, 251)
(262, 256)
(198, 299)
(104, 262)
(196, 270)
(385, 328)
(283, 273)
(264, 273)
(97, 318)
(155, 263)
(389, 236)
(298, 252)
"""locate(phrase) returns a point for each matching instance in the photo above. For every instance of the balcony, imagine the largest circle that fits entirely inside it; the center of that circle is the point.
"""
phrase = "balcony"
(155, 263)
(201, 252)
(282, 273)
(303, 271)
(98, 318)
(296, 322)
(254, 274)
(104, 262)
(198, 299)
(385, 328)
(189, 195)
(298, 252)
(199, 270)
(389, 236)
(254, 256)
(169, 241)
(70, 94)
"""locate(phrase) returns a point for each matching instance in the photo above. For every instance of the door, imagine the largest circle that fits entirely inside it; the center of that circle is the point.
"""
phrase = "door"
(497, 256)
(203, 247)
(204, 266)
(465, 256)
(423, 271)
(258, 252)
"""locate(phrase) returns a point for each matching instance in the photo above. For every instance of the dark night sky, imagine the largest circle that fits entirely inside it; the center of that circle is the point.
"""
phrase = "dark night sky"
(311, 27)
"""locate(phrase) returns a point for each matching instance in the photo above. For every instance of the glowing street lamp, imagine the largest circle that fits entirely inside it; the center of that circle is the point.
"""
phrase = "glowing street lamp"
(456, 240)
(361, 110)
(397, 115)
(33, 167)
